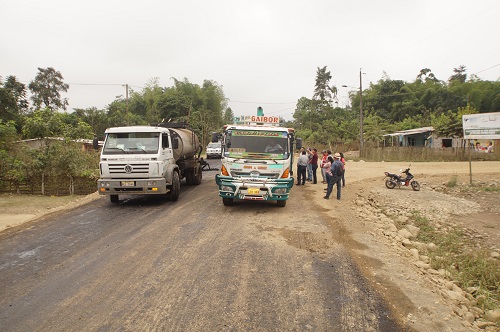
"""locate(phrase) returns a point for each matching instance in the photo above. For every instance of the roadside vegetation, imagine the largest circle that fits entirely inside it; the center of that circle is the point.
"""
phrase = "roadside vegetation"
(388, 105)
(469, 266)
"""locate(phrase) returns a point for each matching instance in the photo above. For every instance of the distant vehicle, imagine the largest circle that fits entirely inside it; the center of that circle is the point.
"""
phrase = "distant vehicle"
(214, 150)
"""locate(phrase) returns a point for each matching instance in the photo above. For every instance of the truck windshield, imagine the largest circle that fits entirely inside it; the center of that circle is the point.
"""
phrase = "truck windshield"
(257, 144)
(131, 143)
(214, 146)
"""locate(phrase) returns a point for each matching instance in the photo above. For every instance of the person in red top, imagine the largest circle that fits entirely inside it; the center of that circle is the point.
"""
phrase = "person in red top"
(314, 163)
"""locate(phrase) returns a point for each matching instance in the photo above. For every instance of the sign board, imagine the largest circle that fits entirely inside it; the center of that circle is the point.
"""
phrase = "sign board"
(265, 119)
(481, 126)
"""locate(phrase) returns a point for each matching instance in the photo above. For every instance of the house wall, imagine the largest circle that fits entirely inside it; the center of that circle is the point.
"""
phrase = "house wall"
(437, 142)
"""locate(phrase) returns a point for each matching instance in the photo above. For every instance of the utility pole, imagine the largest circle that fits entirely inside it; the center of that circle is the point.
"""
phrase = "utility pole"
(126, 96)
(361, 141)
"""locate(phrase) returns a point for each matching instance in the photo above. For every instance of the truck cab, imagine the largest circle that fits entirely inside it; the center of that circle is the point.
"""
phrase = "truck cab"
(148, 160)
(256, 163)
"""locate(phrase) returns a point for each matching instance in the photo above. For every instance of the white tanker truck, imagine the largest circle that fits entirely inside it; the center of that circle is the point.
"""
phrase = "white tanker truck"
(149, 160)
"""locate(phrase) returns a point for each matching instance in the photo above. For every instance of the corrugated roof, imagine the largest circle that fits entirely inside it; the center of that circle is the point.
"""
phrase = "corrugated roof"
(412, 131)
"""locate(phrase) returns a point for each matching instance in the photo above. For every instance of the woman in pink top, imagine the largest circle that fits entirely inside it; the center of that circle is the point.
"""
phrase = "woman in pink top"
(326, 168)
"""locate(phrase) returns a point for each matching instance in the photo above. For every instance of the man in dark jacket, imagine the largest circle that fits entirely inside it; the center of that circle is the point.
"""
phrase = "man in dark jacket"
(336, 178)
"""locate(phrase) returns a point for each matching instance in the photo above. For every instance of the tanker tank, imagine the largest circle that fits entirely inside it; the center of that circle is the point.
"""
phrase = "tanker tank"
(188, 143)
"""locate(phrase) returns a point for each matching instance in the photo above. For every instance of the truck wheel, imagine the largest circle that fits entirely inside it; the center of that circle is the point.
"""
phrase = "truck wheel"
(227, 201)
(114, 198)
(175, 188)
(281, 203)
(197, 178)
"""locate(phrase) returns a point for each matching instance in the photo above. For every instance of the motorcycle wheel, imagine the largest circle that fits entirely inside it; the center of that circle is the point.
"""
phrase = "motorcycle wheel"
(390, 184)
(415, 185)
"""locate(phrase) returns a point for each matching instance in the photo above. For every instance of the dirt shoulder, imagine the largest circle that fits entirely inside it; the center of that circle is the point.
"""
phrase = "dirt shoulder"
(372, 217)
(18, 209)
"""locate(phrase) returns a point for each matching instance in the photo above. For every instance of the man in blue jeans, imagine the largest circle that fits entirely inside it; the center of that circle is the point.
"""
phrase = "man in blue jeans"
(309, 165)
(336, 178)
(301, 168)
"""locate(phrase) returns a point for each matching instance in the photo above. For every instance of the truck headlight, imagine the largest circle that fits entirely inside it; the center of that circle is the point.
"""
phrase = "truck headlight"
(280, 191)
(104, 184)
(226, 188)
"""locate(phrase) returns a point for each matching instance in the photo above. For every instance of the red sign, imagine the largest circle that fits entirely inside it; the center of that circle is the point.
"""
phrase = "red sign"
(265, 119)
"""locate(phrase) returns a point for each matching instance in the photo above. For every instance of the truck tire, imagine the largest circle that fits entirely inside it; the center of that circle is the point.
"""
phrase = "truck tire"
(281, 203)
(175, 188)
(197, 178)
(114, 198)
(227, 201)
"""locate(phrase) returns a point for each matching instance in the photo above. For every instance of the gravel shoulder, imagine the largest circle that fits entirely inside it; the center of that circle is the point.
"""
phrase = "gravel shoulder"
(423, 299)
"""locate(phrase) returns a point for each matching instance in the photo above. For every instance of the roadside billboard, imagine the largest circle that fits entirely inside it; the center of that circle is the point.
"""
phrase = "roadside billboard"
(481, 126)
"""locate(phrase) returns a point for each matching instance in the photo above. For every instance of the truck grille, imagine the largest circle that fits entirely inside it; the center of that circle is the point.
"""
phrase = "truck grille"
(262, 176)
(128, 169)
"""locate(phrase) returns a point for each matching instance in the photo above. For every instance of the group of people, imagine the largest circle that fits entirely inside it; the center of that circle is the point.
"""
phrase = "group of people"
(488, 149)
(332, 169)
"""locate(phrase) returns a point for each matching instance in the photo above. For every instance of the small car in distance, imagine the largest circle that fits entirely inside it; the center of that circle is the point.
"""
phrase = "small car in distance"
(214, 150)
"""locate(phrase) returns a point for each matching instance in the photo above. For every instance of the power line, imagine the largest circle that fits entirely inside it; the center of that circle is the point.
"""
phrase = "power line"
(486, 69)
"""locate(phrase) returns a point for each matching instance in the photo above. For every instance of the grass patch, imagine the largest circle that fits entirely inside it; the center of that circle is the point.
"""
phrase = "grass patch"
(491, 189)
(468, 266)
(452, 183)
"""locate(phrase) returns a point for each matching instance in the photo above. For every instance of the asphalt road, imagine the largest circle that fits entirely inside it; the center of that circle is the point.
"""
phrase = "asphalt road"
(191, 265)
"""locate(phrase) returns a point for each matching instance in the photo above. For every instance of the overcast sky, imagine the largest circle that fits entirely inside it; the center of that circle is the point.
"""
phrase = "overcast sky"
(263, 52)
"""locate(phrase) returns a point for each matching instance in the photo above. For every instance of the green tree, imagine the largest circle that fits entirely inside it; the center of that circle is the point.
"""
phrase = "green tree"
(459, 75)
(96, 119)
(46, 89)
(228, 116)
(449, 124)
(43, 123)
(13, 103)
(322, 89)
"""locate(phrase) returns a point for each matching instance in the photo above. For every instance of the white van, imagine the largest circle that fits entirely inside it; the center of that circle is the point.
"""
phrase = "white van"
(214, 150)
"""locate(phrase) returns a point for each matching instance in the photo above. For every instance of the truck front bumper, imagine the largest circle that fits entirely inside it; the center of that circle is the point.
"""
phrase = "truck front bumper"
(131, 186)
(253, 189)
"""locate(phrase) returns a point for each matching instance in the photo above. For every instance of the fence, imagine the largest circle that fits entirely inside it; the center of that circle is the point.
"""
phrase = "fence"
(50, 185)
(416, 154)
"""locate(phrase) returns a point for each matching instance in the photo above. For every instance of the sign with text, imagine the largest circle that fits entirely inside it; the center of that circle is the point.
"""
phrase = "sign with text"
(265, 119)
(481, 126)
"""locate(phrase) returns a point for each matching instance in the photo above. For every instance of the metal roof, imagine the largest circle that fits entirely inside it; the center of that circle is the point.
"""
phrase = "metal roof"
(411, 131)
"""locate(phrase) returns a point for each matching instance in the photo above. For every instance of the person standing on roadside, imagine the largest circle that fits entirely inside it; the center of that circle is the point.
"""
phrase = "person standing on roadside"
(314, 165)
(326, 168)
(336, 171)
(309, 165)
(342, 160)
(301, 168)
(324, 159)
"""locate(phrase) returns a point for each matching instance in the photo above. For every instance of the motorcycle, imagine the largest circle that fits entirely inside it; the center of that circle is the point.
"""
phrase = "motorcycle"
(392, 180)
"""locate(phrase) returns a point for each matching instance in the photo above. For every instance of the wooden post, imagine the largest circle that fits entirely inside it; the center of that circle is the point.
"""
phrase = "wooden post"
(470, 161)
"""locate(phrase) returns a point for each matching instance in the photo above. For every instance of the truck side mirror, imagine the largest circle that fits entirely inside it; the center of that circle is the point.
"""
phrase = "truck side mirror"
(298, 143)
(215, 137)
